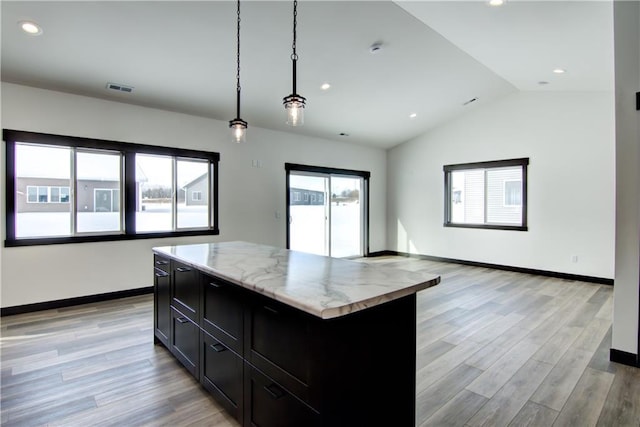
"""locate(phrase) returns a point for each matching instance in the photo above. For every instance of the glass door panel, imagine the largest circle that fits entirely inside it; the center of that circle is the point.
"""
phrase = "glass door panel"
(346, 216)
(308, 213)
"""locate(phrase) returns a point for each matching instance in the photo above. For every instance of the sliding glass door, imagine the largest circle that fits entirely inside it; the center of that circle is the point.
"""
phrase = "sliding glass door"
(327, 211)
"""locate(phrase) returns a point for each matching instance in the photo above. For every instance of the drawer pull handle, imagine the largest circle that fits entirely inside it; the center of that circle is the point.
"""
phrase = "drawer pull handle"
(218, 347)
(160, 273)
(182, 319)
(274, 391)
(271, 310)
(182, 269)
(162, 262)
(215, 285)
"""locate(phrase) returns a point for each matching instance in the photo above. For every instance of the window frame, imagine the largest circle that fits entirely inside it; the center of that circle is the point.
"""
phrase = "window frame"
(494, 164)
(128, 187)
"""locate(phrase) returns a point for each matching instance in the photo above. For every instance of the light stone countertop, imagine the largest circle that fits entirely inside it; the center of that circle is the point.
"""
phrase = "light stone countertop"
(323, 286)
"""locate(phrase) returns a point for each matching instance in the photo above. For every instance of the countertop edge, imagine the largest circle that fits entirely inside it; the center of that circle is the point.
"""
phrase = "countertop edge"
(327, 313)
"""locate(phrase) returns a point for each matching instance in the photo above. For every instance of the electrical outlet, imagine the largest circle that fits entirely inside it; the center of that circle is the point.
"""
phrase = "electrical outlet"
(574, 258)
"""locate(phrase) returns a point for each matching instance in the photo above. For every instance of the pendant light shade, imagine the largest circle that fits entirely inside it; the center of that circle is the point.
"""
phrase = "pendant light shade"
(237, 125)
(238, 130)
(294, 104)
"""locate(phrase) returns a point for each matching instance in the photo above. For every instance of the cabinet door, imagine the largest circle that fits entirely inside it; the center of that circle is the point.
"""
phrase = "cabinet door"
(221, 375)
(185, 290)
(270, 405)
(185, 341)
(222, 312)
(283, 343)
(162, 303)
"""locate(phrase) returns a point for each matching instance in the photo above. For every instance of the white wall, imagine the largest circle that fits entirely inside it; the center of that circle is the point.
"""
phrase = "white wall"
(249, 197)
(627, 269)
(569, 138)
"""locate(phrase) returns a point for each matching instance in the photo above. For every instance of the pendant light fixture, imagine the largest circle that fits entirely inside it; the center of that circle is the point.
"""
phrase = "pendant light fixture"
(237, 125)
(294, 104)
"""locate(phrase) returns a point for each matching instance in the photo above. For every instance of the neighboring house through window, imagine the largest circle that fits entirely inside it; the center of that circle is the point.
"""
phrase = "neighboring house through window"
(487, 194)
(63, 189)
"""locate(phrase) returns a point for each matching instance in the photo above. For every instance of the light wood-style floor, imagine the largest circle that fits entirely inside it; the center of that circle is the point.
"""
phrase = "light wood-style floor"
(494, 348)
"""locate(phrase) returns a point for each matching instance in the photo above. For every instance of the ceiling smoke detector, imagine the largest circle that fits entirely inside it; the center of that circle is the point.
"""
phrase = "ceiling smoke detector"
(119, 87)
(375, 48)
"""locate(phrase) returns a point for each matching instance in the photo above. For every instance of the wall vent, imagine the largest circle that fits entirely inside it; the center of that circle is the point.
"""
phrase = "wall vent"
(470, 101)
(119, 87)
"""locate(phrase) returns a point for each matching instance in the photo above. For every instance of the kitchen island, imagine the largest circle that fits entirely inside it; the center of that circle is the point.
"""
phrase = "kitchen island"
(284, 338)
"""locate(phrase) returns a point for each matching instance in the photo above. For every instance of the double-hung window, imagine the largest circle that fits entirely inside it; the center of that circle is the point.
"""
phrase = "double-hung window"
(487, 194)
(63, 189)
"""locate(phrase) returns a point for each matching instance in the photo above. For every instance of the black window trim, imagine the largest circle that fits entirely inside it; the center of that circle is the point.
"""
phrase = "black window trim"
(128, 150)
(523, 162)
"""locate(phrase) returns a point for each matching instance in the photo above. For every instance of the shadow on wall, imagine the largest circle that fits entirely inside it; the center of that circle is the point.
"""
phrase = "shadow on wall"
(403, 242)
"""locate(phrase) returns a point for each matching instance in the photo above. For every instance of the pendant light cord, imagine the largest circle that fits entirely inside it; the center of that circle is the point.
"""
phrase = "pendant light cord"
(238, 66)
(294, 55)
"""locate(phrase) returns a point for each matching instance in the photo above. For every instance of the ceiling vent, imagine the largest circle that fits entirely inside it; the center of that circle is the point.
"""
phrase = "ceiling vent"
(470, 101)
(119, 87)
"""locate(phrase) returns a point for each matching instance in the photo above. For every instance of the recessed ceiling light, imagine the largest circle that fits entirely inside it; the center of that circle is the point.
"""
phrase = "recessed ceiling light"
(325, 86)
(413, 115)
(559, 70)
(542, 83)
(30, 28)
(496, 2)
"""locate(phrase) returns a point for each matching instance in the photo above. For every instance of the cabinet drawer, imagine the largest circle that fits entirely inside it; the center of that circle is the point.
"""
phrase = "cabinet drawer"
(221, 375)
(271, 405)
(185, 290)
(185, 339)
(284, 344)
(222, 312)
(162, 263)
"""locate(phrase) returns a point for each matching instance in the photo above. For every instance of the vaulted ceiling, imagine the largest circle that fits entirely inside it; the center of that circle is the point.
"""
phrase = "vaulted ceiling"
(434, 57)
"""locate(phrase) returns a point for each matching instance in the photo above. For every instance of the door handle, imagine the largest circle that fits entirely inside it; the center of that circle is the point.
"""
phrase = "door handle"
(218, 347)
(182, 269)
(160, 273)
(182, 319)
(274, 391)
(271, 310)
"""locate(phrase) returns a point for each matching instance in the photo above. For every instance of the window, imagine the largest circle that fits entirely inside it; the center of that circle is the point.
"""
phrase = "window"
(487, 195)
(64, 189)
(47, 194)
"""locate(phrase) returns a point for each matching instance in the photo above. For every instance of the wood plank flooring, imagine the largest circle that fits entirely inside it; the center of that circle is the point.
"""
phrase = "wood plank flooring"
(495, 348)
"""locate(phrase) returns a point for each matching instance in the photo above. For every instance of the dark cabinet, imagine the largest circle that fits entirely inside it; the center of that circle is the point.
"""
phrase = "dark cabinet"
(185, 341)
(280, 341)
(185, 290)
(269, 364)
(223, 312)
(221, 374)
(162, 300)
(270, 405)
